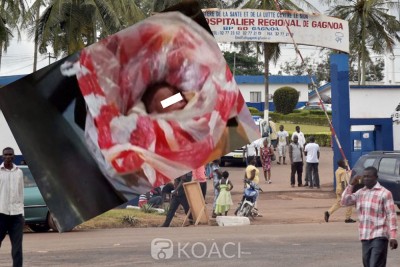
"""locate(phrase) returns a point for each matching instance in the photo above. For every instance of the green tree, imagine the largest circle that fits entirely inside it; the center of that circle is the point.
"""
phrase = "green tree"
(68, 26)
(11, 11)
(241, 64)
(320, 68)
(161, 5)
(285, 99)
(271, 51)
(370, 26)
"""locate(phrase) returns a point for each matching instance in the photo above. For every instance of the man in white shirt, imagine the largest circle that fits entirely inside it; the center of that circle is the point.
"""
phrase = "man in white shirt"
(300, 135)
(312, 152)
(283, 141)
(250, 151)
(12, 205)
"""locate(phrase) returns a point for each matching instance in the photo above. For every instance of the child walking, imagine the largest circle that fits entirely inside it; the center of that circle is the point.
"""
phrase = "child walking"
(224, 200)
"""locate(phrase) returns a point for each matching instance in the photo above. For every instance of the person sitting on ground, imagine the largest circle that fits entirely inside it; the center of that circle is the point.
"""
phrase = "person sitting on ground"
(152, 198)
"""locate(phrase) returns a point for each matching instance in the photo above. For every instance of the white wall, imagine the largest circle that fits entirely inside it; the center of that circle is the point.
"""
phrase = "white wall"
(6, 137)
(373, 103)
(245, 89)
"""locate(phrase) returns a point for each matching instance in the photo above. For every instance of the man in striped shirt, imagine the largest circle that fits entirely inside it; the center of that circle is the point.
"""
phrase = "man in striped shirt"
(377, 216)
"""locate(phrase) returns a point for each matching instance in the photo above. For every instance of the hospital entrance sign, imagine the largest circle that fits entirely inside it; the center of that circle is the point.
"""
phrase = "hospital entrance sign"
(255, 25)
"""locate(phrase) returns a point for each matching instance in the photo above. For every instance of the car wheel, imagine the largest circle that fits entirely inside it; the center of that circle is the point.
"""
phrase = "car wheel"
(222, 163)
(398, 205)
(50, 221)
(39, 228)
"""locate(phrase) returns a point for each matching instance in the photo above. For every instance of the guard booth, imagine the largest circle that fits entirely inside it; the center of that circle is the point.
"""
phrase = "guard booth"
(368, 135)
(363, 140)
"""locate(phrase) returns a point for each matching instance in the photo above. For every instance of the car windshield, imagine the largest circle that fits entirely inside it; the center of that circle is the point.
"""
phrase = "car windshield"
(28, 178)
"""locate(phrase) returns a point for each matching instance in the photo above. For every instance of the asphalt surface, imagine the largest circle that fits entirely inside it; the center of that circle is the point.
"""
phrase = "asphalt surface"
(292, 232)
(315, 244)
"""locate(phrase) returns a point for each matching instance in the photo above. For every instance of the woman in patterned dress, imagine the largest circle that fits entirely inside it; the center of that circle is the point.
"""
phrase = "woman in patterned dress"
(266, 154)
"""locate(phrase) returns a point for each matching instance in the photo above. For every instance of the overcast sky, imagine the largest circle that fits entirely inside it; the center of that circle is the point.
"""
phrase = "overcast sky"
(19, 56)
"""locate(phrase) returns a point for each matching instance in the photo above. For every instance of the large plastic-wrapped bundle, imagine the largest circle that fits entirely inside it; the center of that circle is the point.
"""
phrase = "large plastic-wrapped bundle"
(124, 77)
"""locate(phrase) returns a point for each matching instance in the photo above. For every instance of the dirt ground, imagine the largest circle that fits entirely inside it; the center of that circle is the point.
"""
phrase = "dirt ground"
(280, 203)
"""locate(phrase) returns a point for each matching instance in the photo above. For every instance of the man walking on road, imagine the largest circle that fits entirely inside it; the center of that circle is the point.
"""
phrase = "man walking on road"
(12, 205)
(341, 183)
(377, 216)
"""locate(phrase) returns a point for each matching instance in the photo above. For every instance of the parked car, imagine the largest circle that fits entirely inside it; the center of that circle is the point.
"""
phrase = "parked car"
(316, 106)
(235, 156)
(37, 215)
(388, 165)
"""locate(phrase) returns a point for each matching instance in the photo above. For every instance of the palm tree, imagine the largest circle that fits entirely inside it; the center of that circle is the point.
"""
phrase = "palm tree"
(271, 51)
(370, 26)
(161, 5)
(10, 13)
(68, 26)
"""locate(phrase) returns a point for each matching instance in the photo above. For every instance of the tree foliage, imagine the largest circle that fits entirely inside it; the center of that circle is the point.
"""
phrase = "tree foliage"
(241, 64)
(68, 26)
(285, 99)
(271, 51)
(371, 28)
(320, 68)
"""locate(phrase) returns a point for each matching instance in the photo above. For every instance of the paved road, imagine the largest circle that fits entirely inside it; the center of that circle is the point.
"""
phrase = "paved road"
(291, 233)
(333, 244)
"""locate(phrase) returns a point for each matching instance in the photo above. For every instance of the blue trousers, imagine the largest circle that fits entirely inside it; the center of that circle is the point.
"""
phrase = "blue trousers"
(13, 225)
(374, 252)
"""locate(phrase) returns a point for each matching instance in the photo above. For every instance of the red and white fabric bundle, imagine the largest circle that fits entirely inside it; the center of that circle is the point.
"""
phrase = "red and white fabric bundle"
(115, 73)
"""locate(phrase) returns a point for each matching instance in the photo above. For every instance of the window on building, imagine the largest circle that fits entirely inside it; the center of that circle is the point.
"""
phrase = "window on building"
(255, 97)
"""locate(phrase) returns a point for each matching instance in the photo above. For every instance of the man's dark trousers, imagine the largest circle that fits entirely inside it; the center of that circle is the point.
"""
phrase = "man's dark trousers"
(296, 167)
(312, 174)
(13, 225)
(374, 252)
(173, 207)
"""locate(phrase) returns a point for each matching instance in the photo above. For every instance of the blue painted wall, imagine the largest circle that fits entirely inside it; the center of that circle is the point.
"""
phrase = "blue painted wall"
(339, 64)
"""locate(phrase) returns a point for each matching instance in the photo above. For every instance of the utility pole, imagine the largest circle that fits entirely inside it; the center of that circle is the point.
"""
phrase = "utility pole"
(50, 56)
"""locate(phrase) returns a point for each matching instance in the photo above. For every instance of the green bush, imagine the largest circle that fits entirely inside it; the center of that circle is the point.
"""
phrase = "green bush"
(254, 111)
(322, 139)
(285, 99)
(305, 117)
(319, 112)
